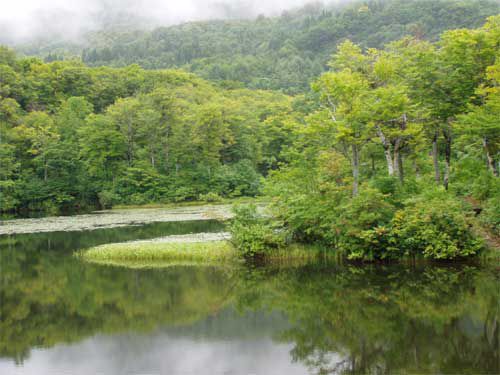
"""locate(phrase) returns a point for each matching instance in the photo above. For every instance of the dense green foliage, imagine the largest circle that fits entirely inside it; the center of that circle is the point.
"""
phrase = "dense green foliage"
(376, 160)
(286, 52)
(252, 234)
(76, 136)
(283, 53)
(372, 170)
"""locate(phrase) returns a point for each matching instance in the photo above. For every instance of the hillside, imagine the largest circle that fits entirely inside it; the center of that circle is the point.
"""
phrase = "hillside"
(284, 52)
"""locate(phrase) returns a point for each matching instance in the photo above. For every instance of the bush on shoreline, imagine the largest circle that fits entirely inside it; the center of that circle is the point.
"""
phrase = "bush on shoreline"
(252, 234)
(370, 227)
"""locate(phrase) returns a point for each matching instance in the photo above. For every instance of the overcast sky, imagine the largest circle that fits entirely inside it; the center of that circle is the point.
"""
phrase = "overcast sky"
(21, 19)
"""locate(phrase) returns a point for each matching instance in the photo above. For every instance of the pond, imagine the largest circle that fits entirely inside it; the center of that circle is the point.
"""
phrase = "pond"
(60, 315)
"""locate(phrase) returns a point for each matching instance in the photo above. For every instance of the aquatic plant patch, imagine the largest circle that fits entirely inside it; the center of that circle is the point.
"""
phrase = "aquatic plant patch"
(114, 219)
(201, 248)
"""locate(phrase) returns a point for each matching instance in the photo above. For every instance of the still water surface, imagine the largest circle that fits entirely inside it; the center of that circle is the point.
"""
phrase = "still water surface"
(61, 316)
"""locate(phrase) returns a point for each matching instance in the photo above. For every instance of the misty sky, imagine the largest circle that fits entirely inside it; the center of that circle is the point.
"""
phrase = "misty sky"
(25, 19)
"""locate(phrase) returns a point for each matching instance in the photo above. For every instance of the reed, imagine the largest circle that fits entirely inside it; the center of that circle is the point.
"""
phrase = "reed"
(210, 252)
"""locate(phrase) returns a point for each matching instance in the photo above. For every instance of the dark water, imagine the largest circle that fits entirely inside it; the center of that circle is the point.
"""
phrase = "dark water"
(61, 316)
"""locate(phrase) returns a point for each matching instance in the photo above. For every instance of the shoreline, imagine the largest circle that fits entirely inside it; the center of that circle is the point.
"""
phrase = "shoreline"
(115, 218)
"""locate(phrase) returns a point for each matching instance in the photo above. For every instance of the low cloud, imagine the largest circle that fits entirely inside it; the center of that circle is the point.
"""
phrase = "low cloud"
(29, 20)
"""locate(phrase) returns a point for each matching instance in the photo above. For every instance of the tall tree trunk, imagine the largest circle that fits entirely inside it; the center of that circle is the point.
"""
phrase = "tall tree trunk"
(401, 167)
(166, 149)
(491, 161)
(387, 151)
(388, 158)
(130, 143)
(398, 167)
(355, 170)
(398, 145)
(417, 169)
(395, 156)
(447, 157)
(435, 158)
(45, 170)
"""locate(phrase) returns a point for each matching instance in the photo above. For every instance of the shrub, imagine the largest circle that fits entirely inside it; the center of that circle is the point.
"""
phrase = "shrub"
(485, 186)
(491, 214)
(137, 198)
(210, 197)
(433, 226)
(386, 185)
(308, 202)
(436, 228)
(378, 243)
(106, 198)
(358, 218)
(237, 180)
(183, 194)
(139, 185)
(252, 234)
(8, 199)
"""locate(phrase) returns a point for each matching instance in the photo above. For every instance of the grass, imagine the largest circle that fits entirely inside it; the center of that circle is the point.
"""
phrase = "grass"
(160, 264)
(172, 253)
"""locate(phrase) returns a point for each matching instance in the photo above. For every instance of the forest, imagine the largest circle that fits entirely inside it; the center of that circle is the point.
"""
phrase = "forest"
(280, 53)
(373, 128)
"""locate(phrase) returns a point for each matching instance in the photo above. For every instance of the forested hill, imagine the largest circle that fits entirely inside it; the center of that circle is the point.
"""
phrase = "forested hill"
(284, 52)
(76, 136)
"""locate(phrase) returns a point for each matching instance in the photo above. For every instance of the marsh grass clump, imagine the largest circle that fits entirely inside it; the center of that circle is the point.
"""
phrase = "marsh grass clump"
(206, 249)
(209, 252)
(159, 264)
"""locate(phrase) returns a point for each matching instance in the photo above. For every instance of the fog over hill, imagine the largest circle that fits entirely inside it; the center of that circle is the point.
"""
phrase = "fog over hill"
(24, 21)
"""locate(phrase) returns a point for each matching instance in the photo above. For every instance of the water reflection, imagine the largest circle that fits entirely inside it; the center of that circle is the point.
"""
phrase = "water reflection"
(66, 242)
(59, 314)
(392, 320)
(160, 354)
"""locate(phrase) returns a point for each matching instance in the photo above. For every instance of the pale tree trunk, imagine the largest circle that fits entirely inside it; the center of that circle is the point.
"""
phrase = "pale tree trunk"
(45, 170)
(491, 161)
(416, 168)
(166, 148)
(447, 157)
(401, 167)
(152, 153)
(387, 151)
(130, 143)
(398, 145)
(388, 158)
(355, 170)
(398, 168)
(166, 153)
(395, 161)
(435, 158)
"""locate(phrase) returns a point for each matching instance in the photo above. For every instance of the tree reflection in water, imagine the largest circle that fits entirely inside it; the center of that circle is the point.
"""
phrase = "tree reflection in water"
(339, 319)
(375, 319)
